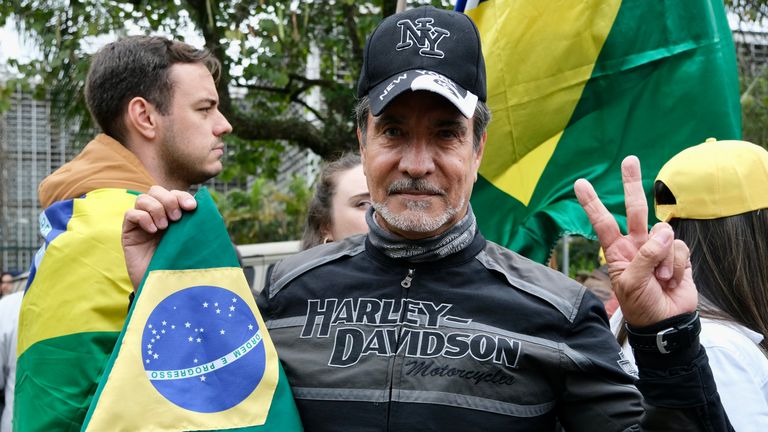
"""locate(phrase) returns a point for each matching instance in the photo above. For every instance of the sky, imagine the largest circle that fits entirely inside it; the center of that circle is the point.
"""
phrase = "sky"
(10, 43)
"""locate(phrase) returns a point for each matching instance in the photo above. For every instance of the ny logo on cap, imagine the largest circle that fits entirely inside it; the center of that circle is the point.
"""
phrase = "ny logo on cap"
(424, 35)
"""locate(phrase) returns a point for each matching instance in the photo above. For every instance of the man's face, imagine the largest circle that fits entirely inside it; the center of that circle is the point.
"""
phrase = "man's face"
(7, 284)
(420, 164)
(191, 144)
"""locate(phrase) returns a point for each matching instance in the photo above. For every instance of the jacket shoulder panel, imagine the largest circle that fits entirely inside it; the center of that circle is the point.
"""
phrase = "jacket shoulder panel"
(294, 266)
(563, 293)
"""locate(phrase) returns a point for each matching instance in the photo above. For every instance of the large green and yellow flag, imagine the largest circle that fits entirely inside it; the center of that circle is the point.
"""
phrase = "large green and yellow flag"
(575, 86)
(194, 353)
(73, 309)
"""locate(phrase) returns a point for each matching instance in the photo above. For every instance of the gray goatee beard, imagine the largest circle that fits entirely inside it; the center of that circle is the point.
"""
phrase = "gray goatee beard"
(415, 217)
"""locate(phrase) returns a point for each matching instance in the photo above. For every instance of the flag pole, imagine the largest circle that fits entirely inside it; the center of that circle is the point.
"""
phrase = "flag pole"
(400, 6)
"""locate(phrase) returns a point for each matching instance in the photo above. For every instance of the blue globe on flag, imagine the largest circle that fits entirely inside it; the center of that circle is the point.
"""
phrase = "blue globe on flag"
(202, 349)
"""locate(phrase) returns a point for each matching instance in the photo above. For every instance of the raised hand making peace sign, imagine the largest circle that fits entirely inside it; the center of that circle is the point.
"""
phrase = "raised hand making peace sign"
(650, 271)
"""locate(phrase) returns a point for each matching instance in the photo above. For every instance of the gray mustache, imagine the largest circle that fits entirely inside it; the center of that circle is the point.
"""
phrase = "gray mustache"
(414, 185)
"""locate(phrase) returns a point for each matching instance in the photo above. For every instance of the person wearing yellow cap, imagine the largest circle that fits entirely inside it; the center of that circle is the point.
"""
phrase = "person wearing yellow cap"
(715, 196)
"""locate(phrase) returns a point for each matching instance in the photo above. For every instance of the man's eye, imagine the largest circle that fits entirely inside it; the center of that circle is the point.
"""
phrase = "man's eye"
(393, 132)
(205, 110)
(448, 134)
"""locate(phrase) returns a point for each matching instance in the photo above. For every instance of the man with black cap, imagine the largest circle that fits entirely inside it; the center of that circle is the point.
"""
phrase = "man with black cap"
(422, 324)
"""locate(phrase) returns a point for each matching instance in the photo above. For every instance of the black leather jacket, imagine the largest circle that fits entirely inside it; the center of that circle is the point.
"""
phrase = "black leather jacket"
(483, 339)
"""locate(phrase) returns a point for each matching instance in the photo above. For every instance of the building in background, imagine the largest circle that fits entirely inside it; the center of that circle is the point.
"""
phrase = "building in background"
(32, 145)
(752, 51)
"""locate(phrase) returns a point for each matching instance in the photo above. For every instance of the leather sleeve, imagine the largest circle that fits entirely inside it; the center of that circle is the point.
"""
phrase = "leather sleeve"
(679, 391)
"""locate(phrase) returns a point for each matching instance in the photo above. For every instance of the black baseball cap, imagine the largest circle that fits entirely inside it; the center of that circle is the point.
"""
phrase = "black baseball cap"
(424, 48)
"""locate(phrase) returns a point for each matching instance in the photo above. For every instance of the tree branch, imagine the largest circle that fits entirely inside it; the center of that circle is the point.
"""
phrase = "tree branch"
(311, 82)
(354, 39)
(300, 131)
(388, 7)
(295, 98)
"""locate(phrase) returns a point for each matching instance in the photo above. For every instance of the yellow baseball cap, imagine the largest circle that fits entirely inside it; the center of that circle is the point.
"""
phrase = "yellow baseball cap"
(712, 180)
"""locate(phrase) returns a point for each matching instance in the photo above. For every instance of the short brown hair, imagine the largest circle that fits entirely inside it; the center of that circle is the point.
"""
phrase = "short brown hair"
(136, 66)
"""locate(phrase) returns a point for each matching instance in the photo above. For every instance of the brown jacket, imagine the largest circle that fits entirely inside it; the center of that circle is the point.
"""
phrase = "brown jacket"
(103, 163)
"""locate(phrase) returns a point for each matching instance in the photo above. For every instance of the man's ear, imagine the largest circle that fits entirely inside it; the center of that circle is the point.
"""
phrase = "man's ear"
(361, 147)
(142, 117)
(479, 153)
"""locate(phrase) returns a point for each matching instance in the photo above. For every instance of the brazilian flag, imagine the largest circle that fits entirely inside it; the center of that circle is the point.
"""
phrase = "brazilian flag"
(575, 86)
(73, 310)
(194, 353)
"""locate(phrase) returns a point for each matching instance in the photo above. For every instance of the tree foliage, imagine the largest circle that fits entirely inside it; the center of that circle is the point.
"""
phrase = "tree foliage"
(753, 71)
(265, 213)
(264, 46)
(750, 10)
(754, 107)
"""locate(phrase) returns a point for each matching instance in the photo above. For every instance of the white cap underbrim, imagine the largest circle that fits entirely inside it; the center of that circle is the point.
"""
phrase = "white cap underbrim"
(419, 79)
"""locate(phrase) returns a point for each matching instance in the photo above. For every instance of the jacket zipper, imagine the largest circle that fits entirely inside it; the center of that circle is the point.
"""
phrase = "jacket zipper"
(405, 283)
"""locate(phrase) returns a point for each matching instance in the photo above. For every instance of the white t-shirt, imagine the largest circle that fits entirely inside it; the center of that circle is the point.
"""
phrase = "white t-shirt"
(739, 366)
(9, 325)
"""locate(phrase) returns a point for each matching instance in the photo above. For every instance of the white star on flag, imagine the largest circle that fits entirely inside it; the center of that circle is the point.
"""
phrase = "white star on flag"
(222, 331)
(187, 324)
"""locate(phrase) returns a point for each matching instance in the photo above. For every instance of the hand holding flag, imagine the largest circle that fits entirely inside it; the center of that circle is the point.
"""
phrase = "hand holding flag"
(143, 226)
